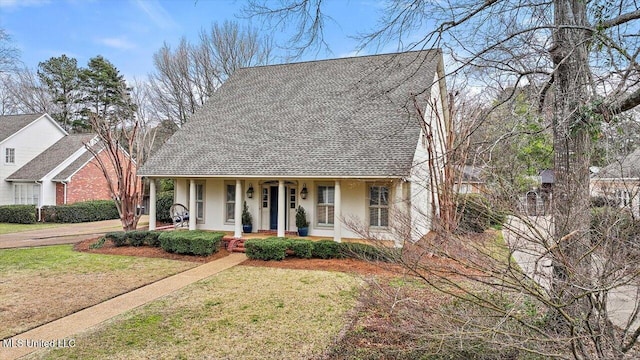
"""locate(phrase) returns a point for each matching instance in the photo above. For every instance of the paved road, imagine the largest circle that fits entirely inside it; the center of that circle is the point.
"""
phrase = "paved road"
(529, 256)
(66, 234)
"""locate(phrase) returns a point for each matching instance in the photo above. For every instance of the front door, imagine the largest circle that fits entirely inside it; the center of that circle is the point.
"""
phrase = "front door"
(273, 208)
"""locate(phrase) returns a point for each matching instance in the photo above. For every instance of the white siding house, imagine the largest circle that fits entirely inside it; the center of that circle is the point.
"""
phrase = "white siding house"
(341, 138)
(22, 138)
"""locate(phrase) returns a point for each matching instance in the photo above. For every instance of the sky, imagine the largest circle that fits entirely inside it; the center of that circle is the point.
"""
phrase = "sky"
(129, 32)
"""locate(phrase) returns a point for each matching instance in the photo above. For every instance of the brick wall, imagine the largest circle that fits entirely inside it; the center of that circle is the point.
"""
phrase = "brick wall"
(88, 183)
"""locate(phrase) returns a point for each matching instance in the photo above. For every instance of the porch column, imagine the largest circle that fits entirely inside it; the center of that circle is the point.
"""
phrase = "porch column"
(281, 207)
(192, 205)
(337, 213)
(152, 204)
(237, 224)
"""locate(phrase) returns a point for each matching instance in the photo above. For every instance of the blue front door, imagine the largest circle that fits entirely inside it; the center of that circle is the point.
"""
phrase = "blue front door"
(273, 208)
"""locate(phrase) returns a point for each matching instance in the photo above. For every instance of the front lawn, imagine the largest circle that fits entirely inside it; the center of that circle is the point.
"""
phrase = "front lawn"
(242, 313)
(45, 283)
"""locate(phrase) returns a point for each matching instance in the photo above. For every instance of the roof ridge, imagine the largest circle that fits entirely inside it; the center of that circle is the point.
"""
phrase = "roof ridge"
(436, 50)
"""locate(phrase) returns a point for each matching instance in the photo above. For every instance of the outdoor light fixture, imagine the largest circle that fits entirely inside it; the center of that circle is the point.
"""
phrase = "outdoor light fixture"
(304, 192)
(250, 191)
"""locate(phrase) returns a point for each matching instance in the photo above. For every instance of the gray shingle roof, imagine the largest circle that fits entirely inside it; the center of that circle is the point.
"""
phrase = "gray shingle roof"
(10, 124)
(625, 167)
(49, 159)
(344, 117)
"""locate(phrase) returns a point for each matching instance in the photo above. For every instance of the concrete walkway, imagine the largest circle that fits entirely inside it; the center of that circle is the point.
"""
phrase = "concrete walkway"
(63, 330)
(529, 254)
(64, 234)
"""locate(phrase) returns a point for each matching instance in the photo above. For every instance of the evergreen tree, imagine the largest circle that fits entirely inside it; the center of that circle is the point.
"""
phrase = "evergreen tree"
(61, 77)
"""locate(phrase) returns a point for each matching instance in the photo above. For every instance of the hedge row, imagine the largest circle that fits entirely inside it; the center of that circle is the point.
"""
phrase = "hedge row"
(134, 238)
(18, 214)
(163, 204)
(275, 248)
(86, 211)
(194, 242)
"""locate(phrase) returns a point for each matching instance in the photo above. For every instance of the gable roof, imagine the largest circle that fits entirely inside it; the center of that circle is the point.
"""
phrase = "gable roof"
(51, 158)
(11, 124)
(625, 167)
(349, 117)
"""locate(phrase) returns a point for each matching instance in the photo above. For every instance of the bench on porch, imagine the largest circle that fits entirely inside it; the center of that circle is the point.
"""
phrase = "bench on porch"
(179, 215)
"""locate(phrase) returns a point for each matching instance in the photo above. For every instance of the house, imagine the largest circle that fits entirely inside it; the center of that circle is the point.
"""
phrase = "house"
(470, 180)
(620, 181)
(44, 165)
(339, 137)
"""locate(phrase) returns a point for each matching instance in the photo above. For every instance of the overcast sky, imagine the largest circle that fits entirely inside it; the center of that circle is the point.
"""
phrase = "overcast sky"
(128, 32)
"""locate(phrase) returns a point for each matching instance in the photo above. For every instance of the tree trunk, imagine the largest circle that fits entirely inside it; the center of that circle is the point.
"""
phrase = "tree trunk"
(572, 147)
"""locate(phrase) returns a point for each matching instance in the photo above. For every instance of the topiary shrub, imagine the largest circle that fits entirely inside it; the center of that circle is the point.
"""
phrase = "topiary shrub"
(163, 204)
(136, 237)
(301, 248)
(325, 249)
(202, 243)
(18, 214)
(267, 249)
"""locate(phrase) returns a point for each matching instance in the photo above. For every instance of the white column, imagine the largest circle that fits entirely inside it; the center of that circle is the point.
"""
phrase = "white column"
(337, 211)
(192, 205)
(237, 225)
(152, 204)
(281, 208)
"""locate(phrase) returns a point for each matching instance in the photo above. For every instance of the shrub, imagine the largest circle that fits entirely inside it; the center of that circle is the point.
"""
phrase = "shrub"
(18, 214)
(117, 237)
(136, 237)
(267, 249)
(367, 252)
(95, 210)
(325, 249)
(196, 242)
(163, 204)
(301, 248)
(477, 213)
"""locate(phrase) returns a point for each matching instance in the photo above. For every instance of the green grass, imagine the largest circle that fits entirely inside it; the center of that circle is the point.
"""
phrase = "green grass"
(42, 284)
(6, 228)
(62, 259)
(242, 313)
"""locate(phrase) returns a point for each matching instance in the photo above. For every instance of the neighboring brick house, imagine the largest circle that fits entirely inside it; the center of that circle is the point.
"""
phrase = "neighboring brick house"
(53, 168)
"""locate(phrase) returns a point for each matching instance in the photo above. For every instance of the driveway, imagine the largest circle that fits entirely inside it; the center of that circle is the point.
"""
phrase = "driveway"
(529, 254)
(66, 234)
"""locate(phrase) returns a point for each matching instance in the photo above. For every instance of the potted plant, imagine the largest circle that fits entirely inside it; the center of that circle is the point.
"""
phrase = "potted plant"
(247, 220)
(301, 222)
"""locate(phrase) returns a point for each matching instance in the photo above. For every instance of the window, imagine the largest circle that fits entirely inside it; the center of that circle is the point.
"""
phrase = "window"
(292, 198)
(230, 204)
(10, 155)
(200, 202)
(378, 205)
(265, 197)
(326, 201)
(26, 194)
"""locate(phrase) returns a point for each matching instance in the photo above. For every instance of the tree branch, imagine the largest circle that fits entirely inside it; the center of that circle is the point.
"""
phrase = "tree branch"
(620, 20)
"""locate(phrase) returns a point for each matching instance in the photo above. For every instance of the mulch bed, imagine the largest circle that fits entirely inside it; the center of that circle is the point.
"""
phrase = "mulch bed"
(342, 265)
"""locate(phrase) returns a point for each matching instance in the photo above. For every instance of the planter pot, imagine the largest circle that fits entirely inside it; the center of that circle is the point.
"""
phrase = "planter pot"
(247, 228)
(303, 231)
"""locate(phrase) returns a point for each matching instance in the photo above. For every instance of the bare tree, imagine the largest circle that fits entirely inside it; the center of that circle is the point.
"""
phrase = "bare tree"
(9, 54)
(118, 165)
(187, 76)
(24, 94)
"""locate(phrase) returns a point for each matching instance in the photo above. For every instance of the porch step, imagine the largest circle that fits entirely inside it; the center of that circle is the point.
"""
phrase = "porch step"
(234, 245)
